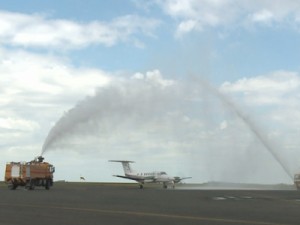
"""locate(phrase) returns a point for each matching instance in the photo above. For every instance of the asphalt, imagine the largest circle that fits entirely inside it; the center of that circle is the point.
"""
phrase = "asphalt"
(112, 204)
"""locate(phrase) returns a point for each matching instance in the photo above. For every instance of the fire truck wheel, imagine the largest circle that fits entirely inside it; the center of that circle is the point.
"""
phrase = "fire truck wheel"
(47, 186)
(31, 187)
(12, 186)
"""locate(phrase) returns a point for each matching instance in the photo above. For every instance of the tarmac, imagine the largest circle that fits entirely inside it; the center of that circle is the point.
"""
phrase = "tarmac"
(113, 204)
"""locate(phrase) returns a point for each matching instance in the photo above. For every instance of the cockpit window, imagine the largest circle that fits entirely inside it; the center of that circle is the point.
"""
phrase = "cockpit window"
(52, 169)
(163, 173)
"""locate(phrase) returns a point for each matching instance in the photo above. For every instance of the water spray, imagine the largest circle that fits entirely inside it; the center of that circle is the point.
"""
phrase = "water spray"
(247, 120)
(140, 103)
(135, 98)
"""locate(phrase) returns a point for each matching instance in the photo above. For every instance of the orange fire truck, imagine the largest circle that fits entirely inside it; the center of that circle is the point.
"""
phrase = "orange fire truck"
(29, 174)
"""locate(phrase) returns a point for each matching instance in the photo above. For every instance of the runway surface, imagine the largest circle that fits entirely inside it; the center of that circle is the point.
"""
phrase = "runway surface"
(112, 204)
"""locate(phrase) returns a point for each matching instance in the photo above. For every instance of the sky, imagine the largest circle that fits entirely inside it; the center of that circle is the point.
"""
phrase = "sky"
(202, 88)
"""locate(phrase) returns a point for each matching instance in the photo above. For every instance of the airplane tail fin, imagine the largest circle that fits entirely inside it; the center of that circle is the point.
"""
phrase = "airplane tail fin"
(126, 165)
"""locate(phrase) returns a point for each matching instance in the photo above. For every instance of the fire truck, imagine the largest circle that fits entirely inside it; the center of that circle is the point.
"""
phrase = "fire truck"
(297, 180)
(29, 174)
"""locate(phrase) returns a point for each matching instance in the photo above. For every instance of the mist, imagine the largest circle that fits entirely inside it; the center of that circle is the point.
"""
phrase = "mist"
(185, 123)
(134, 105)
(251, 124)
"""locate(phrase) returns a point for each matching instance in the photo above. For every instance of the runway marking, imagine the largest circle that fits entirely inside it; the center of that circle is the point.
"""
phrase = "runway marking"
(142, 214)
(219, 198)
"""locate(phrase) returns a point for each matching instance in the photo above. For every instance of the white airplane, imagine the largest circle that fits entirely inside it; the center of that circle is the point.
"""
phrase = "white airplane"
(150, 177)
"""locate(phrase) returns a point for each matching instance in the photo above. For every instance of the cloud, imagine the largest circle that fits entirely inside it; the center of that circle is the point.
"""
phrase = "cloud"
(38, 31)
(186, 27)
(19, 124)
(35, 90)
(270, 89)
(24, 72)
(194, 15)
(263, 16)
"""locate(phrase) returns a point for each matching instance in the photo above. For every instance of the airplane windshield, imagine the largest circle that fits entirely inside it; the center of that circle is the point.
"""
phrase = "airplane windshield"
(163, 173)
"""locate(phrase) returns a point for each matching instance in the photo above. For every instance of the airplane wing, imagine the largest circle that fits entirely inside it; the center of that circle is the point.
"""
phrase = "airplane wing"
(130, 178)
(147, 179)
(178, 179)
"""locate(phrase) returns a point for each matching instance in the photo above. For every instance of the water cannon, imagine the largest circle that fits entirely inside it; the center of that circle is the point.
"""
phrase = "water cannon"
(40, 159)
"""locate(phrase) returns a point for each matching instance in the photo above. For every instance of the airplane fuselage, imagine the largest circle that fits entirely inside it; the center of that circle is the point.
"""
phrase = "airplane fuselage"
(147, 177)
(151, 177)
